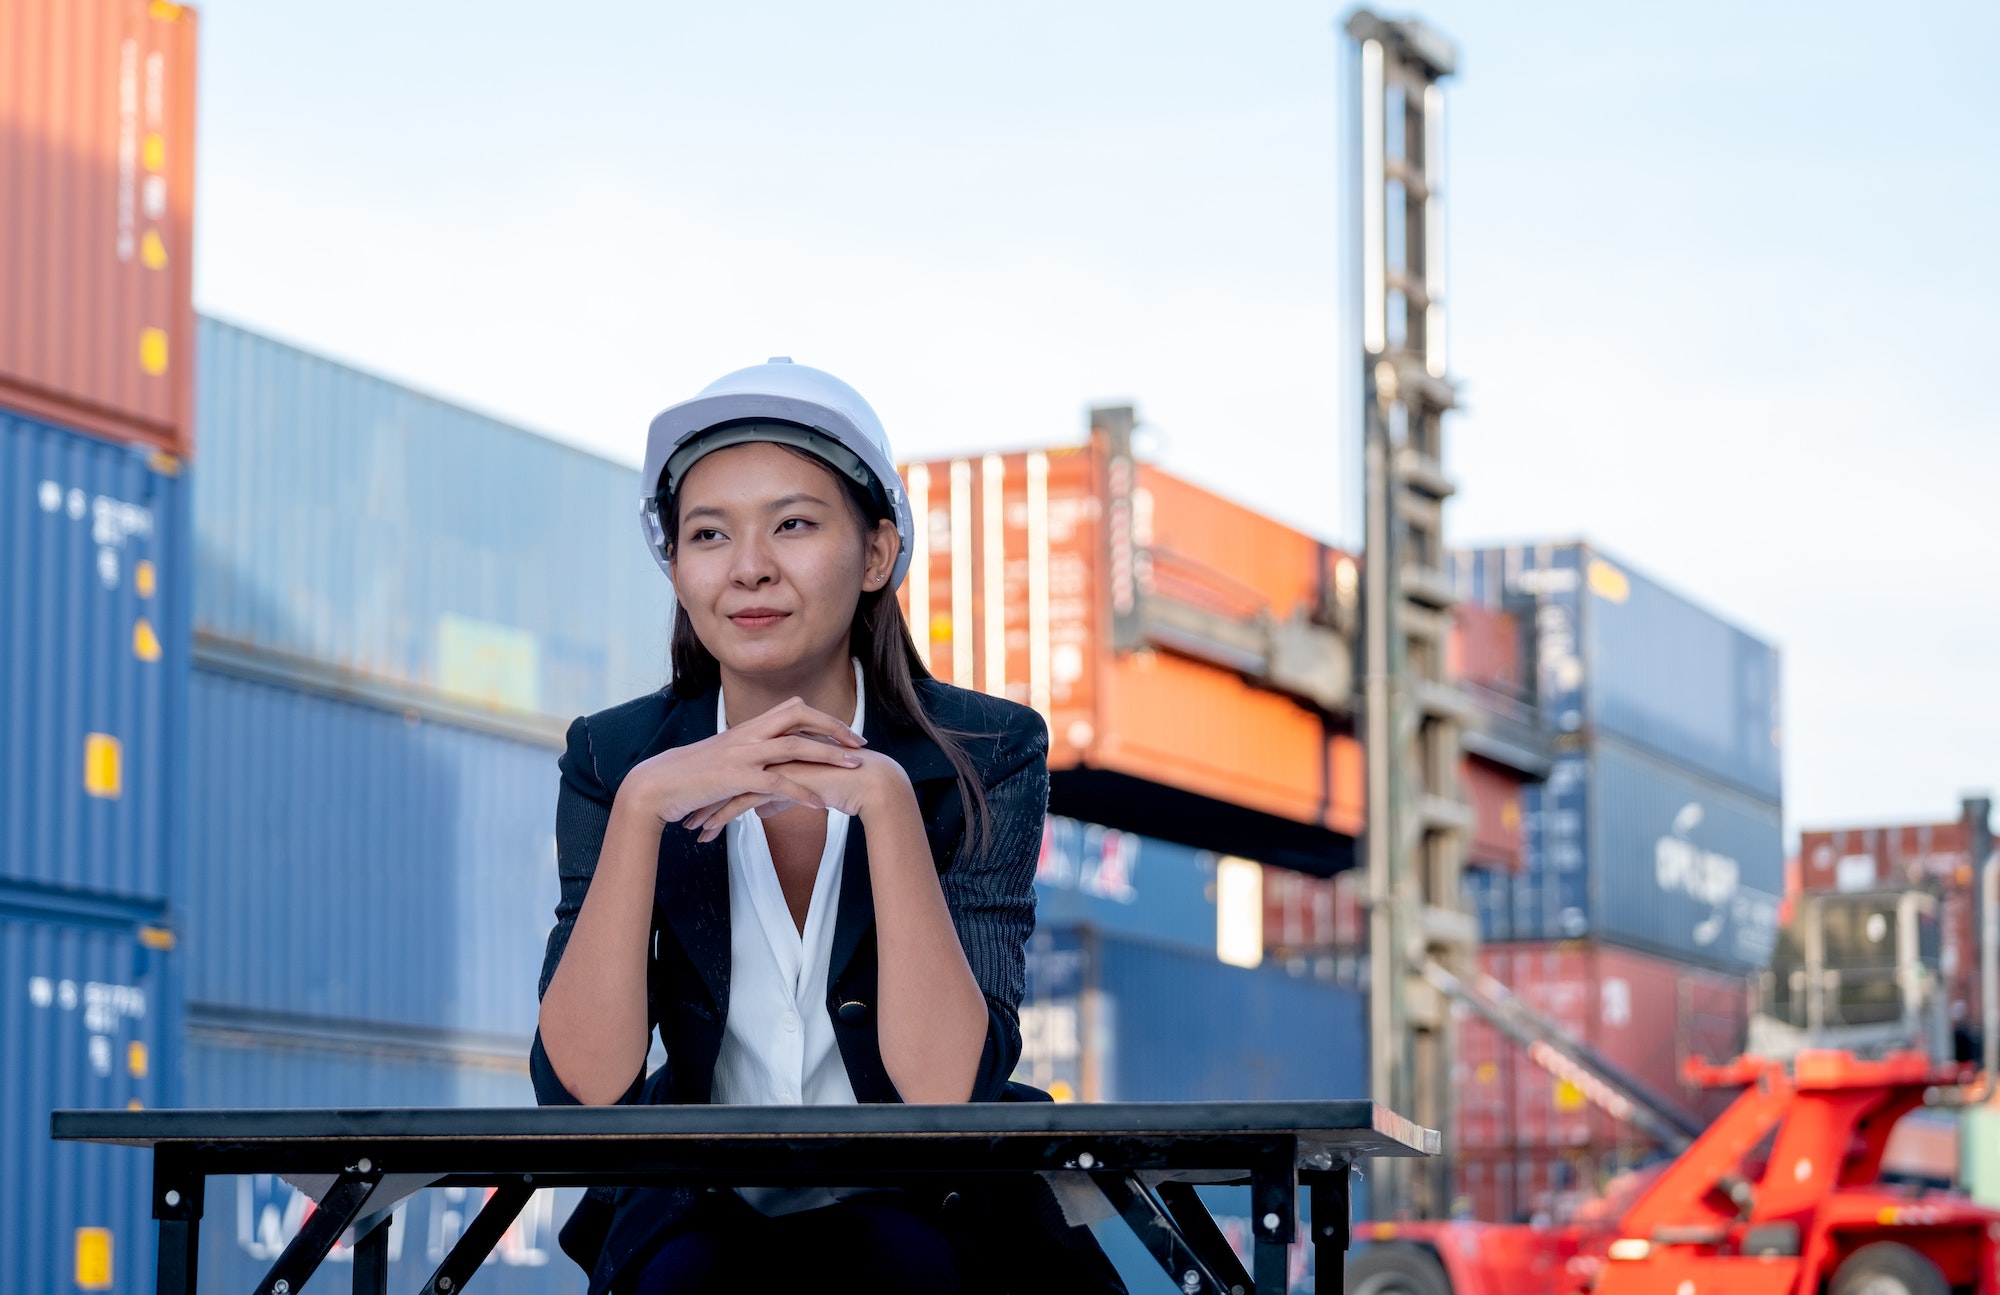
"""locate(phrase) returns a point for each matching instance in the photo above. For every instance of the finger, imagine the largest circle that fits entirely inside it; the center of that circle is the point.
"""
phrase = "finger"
(720, 816)
(809, 750)
(792, 789)
(694, 818)
(795, 716)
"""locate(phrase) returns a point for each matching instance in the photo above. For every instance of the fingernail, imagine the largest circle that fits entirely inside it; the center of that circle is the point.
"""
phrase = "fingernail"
(852, 762)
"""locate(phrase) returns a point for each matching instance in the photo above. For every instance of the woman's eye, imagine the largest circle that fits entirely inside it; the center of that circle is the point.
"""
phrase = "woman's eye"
(706, 533)
(794, 524)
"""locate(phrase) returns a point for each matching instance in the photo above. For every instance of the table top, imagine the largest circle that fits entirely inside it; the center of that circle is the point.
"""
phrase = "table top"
(998, 1135)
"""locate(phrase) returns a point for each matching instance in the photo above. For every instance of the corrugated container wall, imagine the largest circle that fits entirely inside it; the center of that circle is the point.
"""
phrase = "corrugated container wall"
(1125, 883)
(356, 864)
(94, 589)
(97, 103)
(1109, 1018)
(1924, 855)
(1030, 579)
(1646, 1015)
(83, 1024)
(1623, 846)
(347, 525)
(252, 1218)
(1617, 653)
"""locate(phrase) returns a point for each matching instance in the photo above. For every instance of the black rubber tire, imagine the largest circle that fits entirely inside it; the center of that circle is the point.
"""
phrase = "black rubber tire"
(1398, 1268)
(1886, 1268)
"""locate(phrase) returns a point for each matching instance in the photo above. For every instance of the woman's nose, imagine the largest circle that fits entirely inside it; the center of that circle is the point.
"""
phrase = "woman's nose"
(753, 565)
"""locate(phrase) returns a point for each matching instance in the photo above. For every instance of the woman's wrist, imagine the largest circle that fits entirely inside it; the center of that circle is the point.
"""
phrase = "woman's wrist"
(636, 801)
(889, 801)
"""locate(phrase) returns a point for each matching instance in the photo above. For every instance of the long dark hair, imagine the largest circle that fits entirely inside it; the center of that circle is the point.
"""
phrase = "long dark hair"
(879, 638)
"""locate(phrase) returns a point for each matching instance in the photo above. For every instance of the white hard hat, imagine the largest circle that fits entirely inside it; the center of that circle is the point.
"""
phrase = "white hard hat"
(791, 404)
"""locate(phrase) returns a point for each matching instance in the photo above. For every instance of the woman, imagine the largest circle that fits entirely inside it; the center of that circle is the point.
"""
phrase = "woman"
(806, 863)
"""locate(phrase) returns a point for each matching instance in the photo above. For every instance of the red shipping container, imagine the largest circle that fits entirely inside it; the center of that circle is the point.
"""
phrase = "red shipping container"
(1644, 1014)
(1495, 796)
(97, 101)
(1937, 857)
(1484, 651)
(1544, 1185)
(1886, 858)
(1304, 916)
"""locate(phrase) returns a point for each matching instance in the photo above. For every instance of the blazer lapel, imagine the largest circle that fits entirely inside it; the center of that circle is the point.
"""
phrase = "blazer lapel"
(924, 762)
(691, 892)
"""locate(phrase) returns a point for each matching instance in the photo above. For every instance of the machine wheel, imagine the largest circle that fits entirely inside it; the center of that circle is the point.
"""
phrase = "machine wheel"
(1398, 1268)
(1886, 1268)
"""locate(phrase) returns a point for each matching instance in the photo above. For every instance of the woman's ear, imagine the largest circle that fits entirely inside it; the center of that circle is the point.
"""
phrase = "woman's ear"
(883, 545)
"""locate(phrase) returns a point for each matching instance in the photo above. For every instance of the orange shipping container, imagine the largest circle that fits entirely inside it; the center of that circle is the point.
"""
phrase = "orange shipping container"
(1191, 656)
(97, 105)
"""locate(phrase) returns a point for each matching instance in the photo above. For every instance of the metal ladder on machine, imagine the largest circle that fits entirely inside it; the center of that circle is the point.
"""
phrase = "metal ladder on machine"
(1602, 1082)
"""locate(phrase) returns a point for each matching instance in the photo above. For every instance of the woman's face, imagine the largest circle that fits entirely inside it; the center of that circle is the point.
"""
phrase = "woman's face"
(770, 558)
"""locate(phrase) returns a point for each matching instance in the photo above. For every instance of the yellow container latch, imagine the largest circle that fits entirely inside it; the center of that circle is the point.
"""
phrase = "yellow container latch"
(103, 760)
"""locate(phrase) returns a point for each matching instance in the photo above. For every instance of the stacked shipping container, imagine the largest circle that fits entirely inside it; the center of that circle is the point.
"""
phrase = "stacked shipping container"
(360, 537)
(1659, 825)
(1651, 863)
(96, 142)
(1188, 653)
(391, 631)
(1942, 858)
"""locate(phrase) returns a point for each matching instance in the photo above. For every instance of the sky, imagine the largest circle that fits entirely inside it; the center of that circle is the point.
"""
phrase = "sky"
(1722, 276)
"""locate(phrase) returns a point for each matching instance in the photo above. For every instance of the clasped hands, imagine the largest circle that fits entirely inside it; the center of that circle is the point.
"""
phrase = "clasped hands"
(790, 756)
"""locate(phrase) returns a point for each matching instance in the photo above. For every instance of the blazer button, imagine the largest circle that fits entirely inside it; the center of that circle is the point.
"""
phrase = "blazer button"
(853, 1012)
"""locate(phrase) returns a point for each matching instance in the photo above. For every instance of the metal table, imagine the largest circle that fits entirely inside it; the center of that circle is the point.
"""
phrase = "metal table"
(1131, 1151)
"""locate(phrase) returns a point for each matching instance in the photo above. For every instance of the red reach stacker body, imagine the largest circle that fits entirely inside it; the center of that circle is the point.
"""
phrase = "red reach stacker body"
(1781, 1195)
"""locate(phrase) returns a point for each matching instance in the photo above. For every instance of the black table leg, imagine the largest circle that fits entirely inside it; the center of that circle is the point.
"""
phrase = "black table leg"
(177, 1201)
(371, 1254)
(478, 1239)
(1274, 1188)
(308, 1249)
(1158, 1231)
(1331, 1211)
(1203, 1237)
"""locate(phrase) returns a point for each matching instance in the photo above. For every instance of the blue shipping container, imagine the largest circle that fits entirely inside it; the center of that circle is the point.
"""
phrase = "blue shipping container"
(251, 1218)
(1621, 845)
(1125, 883)
(1621, 654)
(85, 1023)
(349, 523)
(354, 863)
(94, 593)
(1107, 1018)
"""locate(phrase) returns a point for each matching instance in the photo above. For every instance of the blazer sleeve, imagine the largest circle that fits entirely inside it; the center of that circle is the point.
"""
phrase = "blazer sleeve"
(583, 813)
(990, 888)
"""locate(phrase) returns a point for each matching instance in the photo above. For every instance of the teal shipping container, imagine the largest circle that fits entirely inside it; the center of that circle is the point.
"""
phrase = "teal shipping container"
(1616, 652)
(1125, 883)
(1115, 1019)
(353, 531)
(354, 865)
(251, 1218)
(95, 586)
(1622, 845)
(86, 1022)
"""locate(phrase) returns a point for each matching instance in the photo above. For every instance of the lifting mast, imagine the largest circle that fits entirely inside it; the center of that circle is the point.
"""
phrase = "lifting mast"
(1417, 818)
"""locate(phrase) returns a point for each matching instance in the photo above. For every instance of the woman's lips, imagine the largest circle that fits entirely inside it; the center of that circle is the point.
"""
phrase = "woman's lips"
(757, 618)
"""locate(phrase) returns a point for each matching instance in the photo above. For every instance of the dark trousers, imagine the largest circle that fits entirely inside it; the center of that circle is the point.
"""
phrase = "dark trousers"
(876, 1242)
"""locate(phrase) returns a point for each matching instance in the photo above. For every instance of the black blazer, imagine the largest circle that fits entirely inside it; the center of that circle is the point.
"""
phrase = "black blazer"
(990, 892)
